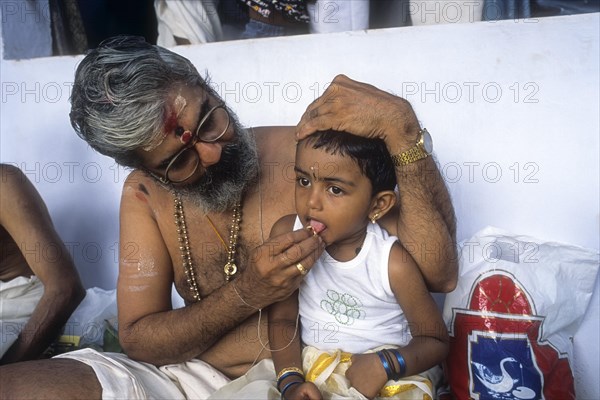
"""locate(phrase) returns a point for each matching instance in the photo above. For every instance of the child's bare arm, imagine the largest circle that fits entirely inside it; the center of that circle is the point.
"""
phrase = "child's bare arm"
(429, 343)
(286, 350)
(284, 339)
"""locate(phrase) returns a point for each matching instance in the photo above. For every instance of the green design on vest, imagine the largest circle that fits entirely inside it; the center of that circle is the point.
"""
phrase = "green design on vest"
(344, 307)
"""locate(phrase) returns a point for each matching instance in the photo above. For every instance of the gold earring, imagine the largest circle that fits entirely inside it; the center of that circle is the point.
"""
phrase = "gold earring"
(375, 217)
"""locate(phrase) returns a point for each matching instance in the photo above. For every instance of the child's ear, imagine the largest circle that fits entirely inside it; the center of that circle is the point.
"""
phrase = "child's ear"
(381, 204)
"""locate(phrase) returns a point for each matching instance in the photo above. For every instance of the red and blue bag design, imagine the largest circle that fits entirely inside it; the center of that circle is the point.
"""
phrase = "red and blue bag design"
(513, 315)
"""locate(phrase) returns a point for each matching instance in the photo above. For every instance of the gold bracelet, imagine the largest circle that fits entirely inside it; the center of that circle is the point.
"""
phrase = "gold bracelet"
(289, 369)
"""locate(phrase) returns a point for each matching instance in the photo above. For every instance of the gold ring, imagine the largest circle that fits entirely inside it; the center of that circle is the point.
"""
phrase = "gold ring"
(301, 268)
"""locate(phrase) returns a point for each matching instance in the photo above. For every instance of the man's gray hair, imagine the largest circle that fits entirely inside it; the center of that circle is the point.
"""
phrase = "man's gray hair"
(119, 98)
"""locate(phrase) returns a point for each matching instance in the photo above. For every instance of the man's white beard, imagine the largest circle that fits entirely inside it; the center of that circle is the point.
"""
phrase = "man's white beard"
(224, 183)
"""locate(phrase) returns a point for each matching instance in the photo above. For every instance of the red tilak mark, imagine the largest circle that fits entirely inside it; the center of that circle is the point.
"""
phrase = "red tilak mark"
(170, 123)
(186, 137)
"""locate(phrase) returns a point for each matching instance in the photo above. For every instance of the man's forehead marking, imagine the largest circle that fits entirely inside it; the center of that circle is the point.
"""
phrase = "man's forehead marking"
(179, 105)
(170, 123)
(170, 120)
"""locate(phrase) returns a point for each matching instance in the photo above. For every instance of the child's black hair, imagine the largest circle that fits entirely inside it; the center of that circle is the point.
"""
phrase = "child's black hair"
(371, 155)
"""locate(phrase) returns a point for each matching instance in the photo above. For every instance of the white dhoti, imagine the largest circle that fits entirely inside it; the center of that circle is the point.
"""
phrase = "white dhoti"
(327, 370)
(18, 299)
(124, 378)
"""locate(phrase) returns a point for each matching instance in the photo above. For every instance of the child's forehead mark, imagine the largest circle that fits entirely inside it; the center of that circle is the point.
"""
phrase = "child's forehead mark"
(314, 169)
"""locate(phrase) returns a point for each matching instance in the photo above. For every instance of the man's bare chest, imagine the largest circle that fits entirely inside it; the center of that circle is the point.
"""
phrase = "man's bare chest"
(208, 250)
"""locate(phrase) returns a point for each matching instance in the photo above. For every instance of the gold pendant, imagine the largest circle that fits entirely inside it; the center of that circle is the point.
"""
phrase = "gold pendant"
(230, 269)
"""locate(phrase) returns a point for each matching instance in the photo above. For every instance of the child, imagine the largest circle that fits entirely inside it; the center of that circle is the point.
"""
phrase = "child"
(364, 293)
(363, 313)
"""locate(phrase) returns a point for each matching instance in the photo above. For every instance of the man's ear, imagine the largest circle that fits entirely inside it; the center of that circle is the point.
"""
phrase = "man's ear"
(381, 204)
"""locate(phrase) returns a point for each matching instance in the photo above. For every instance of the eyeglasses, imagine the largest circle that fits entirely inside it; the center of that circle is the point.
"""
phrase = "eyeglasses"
(185, 163)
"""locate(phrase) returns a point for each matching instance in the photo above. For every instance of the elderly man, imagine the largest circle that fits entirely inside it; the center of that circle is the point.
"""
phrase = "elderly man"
(197, 212)
(39, 284)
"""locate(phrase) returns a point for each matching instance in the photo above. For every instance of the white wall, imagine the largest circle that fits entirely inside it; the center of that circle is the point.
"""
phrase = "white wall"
(512, 107)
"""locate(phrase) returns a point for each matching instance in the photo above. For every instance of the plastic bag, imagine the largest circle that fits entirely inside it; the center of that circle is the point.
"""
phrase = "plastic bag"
(89, 321)
(518, 303)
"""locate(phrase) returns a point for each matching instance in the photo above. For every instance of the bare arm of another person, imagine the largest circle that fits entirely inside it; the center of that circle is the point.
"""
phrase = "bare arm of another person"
(24, 216)
(429, 344)
(150, 330)
(424, 219)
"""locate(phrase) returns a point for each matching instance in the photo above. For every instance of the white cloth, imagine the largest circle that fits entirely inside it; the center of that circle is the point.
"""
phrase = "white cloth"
(195, 20)
(350, 305)
(327, 370)
(18, 299)
(124, 378)
(257, 383)
(328, 16)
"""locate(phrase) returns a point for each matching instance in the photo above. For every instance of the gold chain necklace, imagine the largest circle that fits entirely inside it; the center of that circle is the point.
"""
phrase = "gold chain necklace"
(230, 268)
(184, 245)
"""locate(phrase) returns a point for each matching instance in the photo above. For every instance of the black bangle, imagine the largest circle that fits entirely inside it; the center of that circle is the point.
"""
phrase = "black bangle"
(286, 387)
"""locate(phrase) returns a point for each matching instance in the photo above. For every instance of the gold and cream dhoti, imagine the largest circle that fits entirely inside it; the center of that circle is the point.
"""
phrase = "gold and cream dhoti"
(327, 369)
